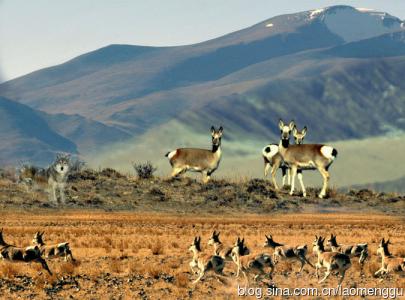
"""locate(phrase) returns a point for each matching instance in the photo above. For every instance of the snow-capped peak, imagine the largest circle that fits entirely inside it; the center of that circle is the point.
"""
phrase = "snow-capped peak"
(354, 24)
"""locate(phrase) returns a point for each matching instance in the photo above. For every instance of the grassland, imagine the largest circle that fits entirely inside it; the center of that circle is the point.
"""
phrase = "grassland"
(131, 236)
(123, 255)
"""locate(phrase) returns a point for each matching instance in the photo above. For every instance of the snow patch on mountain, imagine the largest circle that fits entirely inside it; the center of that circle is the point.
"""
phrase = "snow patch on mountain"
(353, 24)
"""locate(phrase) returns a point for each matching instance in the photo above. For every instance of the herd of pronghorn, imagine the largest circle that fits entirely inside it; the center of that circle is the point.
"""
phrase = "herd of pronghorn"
(336, 259)
(37, 252)
(290, 158)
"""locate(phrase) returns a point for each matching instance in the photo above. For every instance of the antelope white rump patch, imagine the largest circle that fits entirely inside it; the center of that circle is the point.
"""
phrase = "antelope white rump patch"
(269, 151)
(171, 154)
(327, 152)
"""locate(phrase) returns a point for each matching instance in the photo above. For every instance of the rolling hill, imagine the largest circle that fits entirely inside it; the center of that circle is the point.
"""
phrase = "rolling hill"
(338, 70)
(35, 136)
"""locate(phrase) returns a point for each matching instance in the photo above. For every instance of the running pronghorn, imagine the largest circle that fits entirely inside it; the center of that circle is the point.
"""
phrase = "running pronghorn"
(219, 248)
(332, 261)
(239, 250)
(16, 254)
(52, 251)
(249, 264)
(357, 250)
(389, 263)
(198, 160)
(201, 264)
(288, 253)
(256, 265)
(272, 158)
(305, 156)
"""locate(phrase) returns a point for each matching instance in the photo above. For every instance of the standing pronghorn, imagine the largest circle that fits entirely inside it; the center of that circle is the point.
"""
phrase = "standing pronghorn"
(332, 261)
(16, 254)
(305, 156)
(202, 264)
(288, 253)
(198, 160)
(52, 251)
(389, 263)
(272, 158)
(357, 250)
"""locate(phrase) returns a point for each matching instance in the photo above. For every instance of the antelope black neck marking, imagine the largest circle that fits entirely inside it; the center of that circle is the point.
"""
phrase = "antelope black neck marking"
(215, 148)
(386, 251)
(285, 143)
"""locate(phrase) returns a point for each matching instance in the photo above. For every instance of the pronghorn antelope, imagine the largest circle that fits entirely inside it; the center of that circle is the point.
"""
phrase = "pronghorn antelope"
(198, 160)
(389, 263)
(52, 251)
(17, 254)
(281, 251)
(332, 261)
(305, 156)
(272, 158)
(219, 248)
(357, 250)
(202, 264)
(239, 250)
(256, 265)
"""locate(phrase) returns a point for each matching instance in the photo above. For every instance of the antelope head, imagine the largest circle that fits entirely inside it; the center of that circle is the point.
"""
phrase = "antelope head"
(299, 135)
(214, 238)
(285, 130)
(216, 136)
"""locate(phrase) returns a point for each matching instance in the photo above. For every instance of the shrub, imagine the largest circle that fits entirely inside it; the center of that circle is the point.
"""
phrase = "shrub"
(145, 170)
(77, 165)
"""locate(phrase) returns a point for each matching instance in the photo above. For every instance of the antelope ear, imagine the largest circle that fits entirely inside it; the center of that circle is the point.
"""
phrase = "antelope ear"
(267, 238)
(304, 130)
(388, 242)
(294, 131)
(221, 129)
(212, 129)
(280, 124)
(291, 125)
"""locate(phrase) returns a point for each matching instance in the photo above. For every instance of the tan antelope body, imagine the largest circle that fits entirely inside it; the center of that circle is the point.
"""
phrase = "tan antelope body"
(357, 250)
(197, 160)
(52, 251)
(256, 265)
(332, 261)
(201, 264)
(18, 254)
(239, 250)
(284, 252)
(305, 156)
(389, 263)
(272, 158)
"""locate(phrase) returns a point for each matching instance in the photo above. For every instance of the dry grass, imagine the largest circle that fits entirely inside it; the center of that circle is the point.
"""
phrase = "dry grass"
(125, 253)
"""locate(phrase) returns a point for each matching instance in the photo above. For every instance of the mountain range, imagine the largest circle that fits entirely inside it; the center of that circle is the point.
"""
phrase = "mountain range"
(338, 70)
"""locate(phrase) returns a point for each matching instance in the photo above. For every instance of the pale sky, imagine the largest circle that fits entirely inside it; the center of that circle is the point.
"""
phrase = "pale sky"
(42, 33)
